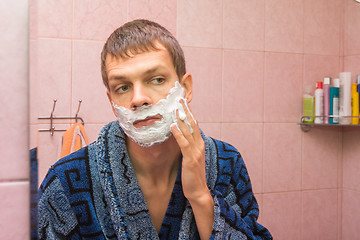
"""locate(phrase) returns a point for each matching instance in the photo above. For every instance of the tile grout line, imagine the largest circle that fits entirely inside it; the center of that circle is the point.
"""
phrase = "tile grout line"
(71, 57)
(302, 133)
(222, 70)
(263, 113)
(13, 181)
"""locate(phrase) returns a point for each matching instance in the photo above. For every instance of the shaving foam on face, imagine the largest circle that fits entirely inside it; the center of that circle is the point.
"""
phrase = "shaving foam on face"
(160, 131)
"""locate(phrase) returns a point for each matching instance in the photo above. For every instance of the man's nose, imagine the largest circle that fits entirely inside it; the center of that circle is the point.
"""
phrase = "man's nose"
(140, 97)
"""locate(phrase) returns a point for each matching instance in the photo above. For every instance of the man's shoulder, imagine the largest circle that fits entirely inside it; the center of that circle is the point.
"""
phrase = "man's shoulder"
(73, 158)
(73, 166)
(228, 157)
(73, 171)
(225, 150)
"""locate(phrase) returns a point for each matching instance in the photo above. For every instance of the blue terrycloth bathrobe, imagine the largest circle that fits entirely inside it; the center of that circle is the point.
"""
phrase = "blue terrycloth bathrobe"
(94, 194)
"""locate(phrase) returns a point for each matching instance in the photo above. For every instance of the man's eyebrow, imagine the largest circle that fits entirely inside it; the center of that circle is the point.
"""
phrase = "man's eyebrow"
(117, 77)
(154, 69)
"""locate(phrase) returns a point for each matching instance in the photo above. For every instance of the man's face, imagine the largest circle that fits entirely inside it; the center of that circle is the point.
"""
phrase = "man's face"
(142, 79)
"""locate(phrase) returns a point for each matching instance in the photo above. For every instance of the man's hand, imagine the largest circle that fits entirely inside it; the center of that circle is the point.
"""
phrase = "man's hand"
(193, 175)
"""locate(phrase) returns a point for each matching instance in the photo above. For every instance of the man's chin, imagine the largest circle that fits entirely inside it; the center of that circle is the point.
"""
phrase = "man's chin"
(149, 144)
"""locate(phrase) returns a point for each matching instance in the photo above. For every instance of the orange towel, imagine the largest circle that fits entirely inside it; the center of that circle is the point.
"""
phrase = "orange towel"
(73, 139)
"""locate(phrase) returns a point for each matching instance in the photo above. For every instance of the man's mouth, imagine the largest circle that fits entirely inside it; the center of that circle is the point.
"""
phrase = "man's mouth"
(147, 121)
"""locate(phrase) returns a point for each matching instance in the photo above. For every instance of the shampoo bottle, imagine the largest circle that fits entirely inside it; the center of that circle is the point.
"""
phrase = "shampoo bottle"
(308, 106)
(345, 98)
(319, 103)
(326, 99)
(334, 102)
(354, 104)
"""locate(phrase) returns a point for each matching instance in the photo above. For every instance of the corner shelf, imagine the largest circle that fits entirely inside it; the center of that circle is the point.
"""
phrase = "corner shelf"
(305, 127)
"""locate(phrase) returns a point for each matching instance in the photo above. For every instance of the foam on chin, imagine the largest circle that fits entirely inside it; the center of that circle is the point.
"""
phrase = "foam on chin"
(147, 136)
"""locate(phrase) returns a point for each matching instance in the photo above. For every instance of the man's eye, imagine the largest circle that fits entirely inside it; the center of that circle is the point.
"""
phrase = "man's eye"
(158, 80)
(123, 88)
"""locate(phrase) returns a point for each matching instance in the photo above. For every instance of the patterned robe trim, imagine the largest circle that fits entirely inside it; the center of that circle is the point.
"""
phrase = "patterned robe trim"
(128, 193)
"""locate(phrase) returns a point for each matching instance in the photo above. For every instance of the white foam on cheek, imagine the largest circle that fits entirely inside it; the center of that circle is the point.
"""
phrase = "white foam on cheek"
(158, 132)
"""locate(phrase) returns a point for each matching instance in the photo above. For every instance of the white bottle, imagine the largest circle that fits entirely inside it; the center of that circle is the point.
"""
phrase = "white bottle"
(326, 88)
(319, 103)
(345, 98)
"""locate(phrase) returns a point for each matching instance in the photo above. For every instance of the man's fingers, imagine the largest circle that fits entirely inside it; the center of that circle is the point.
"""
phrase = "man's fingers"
(192, 121)
(184, 144)
(184, 129)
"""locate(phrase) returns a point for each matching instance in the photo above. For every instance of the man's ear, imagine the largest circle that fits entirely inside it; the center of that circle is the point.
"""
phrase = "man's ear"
(111, 103)
(186, 83)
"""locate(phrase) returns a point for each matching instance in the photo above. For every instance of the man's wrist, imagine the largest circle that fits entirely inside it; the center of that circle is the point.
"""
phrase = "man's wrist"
(203, 208)
(202, 201)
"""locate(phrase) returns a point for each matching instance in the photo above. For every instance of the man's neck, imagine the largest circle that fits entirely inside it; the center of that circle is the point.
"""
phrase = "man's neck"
(158, 163)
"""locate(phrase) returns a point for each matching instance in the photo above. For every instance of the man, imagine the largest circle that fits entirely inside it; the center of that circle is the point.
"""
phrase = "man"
(152, 174)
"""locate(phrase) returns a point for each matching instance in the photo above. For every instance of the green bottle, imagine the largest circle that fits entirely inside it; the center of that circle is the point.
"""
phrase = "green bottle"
(308, 106)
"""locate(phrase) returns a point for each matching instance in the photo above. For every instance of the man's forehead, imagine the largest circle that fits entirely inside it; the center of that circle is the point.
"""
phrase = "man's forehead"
(160, 55)
(131, 52)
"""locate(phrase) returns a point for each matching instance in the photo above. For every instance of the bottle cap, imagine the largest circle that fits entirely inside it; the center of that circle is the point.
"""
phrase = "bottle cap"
(336, 82)
(326, 80)
(319, 85)
(358, 79)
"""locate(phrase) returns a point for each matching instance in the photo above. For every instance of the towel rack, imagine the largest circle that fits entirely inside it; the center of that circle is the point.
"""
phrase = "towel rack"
(52, 129)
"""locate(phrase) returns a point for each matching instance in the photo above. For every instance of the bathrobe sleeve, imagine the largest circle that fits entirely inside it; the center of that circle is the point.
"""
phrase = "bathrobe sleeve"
(236, 209)
(56, 217)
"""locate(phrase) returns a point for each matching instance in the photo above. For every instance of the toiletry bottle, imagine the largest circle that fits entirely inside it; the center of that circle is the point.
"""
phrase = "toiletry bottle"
(334, 102)
(308, 105)
(345, 98)
(319, 103)
(326, 99)
(358, 89)
(354, 104)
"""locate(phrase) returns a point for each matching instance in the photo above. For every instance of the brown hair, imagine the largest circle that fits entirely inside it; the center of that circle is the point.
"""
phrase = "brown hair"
(139, 36)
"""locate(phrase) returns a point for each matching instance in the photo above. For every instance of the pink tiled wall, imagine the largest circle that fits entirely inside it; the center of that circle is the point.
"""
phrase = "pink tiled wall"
(14, 128)
(351, 136)
(250, 62)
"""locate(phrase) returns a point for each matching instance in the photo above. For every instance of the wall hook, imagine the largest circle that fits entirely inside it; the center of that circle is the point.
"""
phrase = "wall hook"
(52, 128)
(77, 112)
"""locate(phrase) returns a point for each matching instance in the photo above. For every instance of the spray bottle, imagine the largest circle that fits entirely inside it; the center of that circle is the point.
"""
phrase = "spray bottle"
(326, 99)
(319, 103)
